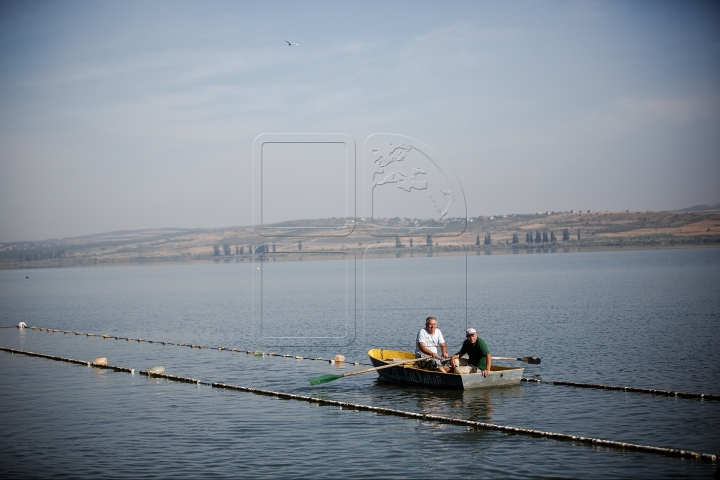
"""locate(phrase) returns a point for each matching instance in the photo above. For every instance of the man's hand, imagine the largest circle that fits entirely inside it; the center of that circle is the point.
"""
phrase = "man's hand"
(488, 359)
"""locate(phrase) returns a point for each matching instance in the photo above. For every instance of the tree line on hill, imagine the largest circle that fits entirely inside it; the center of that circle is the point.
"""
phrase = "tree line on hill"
(531, 237)
(240, 249)
(42, 255)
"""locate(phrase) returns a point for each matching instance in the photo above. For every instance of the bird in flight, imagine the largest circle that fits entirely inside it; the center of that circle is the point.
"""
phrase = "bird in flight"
(290, 43)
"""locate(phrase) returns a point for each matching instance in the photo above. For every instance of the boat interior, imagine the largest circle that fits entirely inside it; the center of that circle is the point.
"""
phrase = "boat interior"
(396, 356)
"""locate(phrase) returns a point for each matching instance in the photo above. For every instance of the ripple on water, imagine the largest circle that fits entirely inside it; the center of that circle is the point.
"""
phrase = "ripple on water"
(599, 318)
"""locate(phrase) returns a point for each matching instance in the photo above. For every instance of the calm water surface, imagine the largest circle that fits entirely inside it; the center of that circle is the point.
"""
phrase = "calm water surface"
(639, 318)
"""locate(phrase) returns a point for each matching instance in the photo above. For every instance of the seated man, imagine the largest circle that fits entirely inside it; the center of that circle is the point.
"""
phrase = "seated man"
(478, 353)
(427, 343)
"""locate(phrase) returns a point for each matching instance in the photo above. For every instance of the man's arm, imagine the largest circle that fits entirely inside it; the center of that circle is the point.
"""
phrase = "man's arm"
(427, 351)
(486, 372)
(443, 347)
(460, 353)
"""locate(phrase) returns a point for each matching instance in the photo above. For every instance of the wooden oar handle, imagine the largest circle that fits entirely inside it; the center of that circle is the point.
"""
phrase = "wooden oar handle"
(395, 364)
(531, 360)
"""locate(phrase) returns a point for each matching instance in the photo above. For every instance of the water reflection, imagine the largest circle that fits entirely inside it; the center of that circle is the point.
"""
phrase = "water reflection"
(100, 376)
(476, 405)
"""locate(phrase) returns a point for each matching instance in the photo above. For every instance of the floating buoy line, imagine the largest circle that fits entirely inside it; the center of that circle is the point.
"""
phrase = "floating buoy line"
(651, 391)
(340, 360)
(257, 353)
(70, 360)
(390, 411)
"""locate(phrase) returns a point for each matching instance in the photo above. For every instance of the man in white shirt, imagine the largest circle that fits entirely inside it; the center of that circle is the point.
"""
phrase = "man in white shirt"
(427, 343)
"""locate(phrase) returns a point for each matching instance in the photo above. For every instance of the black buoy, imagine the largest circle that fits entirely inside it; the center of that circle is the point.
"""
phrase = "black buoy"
(26, 276)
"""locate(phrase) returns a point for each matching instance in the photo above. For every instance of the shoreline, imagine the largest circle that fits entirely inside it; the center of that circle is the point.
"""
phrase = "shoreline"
(360, 253)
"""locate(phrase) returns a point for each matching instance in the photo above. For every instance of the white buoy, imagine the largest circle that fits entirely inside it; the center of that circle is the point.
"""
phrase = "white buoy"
(339, 358)
(100, 361)
(157, 370)
(22, 325)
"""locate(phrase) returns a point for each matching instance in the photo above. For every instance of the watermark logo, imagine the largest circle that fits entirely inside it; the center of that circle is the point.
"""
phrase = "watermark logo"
(323, 216)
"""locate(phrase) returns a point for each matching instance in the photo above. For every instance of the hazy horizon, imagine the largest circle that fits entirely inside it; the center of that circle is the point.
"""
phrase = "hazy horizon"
(129, 116)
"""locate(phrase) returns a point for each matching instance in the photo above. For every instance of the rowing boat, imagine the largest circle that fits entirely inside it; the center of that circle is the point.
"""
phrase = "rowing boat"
(412, 374)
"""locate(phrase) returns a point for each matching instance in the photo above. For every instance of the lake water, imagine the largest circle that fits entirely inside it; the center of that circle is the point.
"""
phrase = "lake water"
(637, 318)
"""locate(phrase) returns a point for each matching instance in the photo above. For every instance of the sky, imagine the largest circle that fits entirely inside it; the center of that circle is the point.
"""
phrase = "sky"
(132, 115)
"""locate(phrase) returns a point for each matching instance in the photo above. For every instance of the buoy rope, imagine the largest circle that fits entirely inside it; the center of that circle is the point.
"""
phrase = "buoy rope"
(650, 391)
(401, 413)
(191, 345)
(477, 425)
(69, 360)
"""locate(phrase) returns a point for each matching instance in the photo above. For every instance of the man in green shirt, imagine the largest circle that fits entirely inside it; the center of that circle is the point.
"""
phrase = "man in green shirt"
(478, 353)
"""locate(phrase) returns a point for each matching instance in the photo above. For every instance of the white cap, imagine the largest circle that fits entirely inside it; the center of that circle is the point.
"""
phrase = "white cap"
(470, 331)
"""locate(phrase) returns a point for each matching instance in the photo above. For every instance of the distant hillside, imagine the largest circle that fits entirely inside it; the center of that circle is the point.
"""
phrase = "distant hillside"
(713, 207)
(518, 233)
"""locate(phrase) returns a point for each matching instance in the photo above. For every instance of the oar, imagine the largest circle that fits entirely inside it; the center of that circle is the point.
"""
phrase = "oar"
(329, 378)
(533, 360)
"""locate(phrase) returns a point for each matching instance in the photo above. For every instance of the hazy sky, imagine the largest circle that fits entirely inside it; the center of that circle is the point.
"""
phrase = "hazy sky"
(129, 115)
